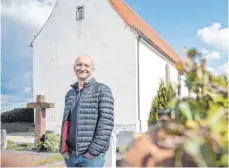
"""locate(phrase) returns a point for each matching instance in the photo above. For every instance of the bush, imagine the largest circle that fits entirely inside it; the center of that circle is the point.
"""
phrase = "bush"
(49, 142)
(204, 118)
(18, 115)
(160, 102)
(11, 145)
(198, 134)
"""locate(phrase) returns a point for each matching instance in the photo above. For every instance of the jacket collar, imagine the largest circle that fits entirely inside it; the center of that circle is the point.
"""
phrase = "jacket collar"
(90, 81)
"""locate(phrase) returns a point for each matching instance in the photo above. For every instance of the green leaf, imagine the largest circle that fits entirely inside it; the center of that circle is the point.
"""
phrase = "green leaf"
(222, 80)
(208, 153)
(193, 148)
(193, 53)
(185, 110)
(178, 155)
(215, 115)
(172, 103)
(224, 160)
(216, 96)
(197, 116)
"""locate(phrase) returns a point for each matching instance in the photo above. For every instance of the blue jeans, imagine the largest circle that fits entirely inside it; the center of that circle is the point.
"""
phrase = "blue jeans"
(82, 161)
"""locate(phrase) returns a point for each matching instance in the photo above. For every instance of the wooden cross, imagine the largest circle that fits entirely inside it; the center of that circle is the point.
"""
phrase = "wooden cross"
(40, 121)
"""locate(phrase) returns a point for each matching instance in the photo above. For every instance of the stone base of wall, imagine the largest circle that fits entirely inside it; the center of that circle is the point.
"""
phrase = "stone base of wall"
(16, 127)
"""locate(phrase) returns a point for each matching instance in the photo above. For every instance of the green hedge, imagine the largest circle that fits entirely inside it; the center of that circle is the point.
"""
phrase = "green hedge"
(18, 115)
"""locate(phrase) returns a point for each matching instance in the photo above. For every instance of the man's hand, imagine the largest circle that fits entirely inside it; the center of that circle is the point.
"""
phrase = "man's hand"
(65, 155)
(89, 156)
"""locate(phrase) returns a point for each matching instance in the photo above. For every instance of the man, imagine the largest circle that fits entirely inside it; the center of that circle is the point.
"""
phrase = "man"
(88, 118)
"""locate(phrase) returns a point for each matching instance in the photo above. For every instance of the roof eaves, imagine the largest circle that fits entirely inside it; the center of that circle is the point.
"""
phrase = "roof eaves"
(153, 44)
(35, 36)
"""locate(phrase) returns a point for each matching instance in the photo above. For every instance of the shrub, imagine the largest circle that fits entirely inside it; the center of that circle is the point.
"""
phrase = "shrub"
(160, 102)
(11, 145)
(18, 115)
(198, 134)
(204, 118)
(49, 142)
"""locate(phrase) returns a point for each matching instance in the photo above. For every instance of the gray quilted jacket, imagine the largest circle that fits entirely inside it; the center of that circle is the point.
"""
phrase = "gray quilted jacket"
(95, 118)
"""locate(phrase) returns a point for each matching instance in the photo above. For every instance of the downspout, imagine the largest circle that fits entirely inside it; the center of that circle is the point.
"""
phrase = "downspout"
(138, 78)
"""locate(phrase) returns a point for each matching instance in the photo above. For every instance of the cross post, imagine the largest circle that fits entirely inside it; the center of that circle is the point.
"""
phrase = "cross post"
(40, 116)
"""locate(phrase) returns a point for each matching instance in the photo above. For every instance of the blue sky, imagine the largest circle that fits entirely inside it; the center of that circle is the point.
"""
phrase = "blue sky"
(195, 23)
(178, 21)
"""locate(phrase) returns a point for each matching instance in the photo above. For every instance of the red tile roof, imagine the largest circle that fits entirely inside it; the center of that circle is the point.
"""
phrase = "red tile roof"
(133, 20)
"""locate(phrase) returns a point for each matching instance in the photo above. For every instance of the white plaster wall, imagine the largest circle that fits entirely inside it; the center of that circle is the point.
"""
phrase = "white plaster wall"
(152, 69)
(105, 37)
(184, 89)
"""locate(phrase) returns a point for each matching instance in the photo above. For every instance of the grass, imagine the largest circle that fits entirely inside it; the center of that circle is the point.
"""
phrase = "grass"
(21, 147)
(28, 146)
(50, 160)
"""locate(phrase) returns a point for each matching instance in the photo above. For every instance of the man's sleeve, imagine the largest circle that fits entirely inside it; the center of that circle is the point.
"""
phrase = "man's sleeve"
(105, 122)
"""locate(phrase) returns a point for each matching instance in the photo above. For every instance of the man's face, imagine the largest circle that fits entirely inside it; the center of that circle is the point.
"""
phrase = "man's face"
(83, 67)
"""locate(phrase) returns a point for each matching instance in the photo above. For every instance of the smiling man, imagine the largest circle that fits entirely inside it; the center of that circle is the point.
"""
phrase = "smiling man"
(88, 118)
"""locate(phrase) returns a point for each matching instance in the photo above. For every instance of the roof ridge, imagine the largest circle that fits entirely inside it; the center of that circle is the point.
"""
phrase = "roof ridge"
(134, 20)
(146, 23)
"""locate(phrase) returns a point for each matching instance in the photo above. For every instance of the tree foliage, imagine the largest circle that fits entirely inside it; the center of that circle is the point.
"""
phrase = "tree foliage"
(18, 115)
(160, 102)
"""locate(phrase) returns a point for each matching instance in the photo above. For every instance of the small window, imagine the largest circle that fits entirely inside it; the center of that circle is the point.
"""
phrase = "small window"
(79, 13)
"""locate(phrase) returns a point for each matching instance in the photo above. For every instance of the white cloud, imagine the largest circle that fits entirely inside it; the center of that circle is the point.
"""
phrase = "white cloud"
(4, 99)
(21, 20)
(27, 89)
(208, 54)
(9, 102)
(30, 100)
(214, 55)
(31, 12)
(215, 36)
(221, 70)
(212, 70)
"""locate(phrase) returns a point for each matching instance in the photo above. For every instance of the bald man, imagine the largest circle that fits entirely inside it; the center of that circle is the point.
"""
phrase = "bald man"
(88, 118)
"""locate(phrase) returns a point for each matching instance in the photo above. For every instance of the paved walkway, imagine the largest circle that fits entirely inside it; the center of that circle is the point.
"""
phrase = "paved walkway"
(27, 159)
(10, 158)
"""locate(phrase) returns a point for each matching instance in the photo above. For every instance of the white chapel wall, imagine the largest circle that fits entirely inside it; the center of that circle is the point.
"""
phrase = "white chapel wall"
(102, 35)
(152, 69)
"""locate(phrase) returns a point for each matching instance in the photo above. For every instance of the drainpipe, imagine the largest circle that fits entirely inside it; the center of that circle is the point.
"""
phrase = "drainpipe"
(138, 78)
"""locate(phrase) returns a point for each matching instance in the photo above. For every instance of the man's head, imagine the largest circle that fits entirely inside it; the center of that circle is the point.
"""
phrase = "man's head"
(84, 67)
